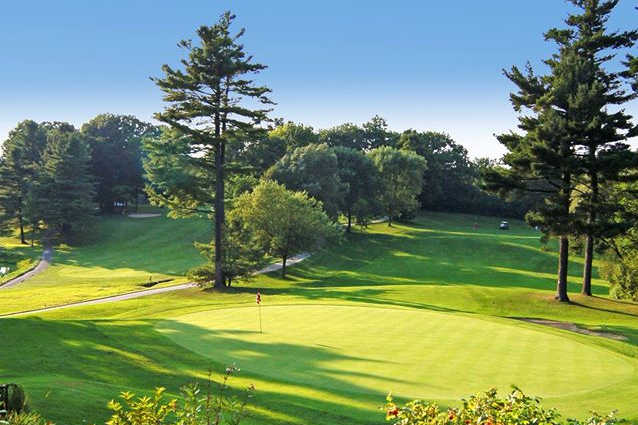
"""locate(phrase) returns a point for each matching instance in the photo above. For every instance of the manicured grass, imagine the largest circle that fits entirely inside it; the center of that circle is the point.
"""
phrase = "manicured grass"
(425, 309)
(121, 256)
(413, 353)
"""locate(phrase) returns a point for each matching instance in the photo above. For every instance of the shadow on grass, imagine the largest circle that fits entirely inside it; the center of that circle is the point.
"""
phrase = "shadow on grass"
(417, 258)
(54, 357)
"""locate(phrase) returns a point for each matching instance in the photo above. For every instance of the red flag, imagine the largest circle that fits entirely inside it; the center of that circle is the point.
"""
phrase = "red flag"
(258, 298)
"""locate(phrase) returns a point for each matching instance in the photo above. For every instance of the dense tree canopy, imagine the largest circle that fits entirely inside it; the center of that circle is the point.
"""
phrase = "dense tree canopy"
(116, 160)
(315, 170)
(360, 185)
(449, 174)
(21, 157)
(401, 177)
(283, 222)
(64, 191)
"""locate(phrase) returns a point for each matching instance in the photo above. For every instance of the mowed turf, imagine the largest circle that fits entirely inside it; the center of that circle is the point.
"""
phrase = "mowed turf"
(423, 309)
(411, 353)
(122, 255)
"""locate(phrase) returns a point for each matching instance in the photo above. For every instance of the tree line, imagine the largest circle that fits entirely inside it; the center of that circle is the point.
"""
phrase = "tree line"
(55, 177)
(569, 169)
(219, 150)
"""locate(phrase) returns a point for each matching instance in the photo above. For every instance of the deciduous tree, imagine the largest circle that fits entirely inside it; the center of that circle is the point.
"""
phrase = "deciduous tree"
(360, 181)
(315, 170)
(116, 160)
(284, 222)
(401, 176)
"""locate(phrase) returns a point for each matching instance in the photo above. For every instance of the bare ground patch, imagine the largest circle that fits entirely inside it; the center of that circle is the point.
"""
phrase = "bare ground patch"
(573, 328)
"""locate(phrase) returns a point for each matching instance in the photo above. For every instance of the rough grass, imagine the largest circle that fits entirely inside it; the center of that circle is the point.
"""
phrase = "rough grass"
(439, 298)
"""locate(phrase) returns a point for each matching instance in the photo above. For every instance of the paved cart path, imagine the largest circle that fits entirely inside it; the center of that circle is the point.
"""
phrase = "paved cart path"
(43, 264)
(137, 294)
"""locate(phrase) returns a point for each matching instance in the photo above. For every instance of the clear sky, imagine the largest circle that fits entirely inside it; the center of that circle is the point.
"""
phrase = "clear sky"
(420, 64)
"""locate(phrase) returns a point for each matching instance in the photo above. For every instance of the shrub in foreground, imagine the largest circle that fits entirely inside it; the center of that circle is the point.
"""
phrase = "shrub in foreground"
(486, 409)
(197, 408)
(24, 418)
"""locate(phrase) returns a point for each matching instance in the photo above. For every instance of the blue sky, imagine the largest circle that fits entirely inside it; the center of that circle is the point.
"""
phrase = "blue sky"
(419, 64)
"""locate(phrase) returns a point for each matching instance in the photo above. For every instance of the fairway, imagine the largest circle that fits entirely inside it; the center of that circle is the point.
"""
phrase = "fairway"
(408, 352)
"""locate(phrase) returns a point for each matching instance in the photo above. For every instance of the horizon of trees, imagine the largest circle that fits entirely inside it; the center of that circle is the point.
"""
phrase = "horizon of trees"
(569, 170)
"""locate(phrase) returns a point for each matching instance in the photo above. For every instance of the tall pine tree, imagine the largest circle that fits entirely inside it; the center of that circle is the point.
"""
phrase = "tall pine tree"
(64, 188)
(207, 104)
(21, 156)
(598, 124)
(542, 158)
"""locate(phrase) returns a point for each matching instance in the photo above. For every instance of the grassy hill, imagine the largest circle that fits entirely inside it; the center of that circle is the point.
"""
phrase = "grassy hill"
(123, 255)
(429, 309)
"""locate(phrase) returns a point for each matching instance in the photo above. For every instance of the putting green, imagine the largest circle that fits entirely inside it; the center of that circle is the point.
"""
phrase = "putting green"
(412, 353)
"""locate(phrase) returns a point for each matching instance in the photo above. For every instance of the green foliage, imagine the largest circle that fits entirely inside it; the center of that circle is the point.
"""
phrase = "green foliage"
(177, 179)
(220, 408)
(116, 160)
(401, 177)
(376, 133)
(284, 223)
(210, 102)
(142, 410)
(345, 135)
(19, 164)
(487, 408)
(65, 189)
(242, 255)
(447, 181)
(24, 418)
(313, 169)
(292, 136)
(622, 274)
(360, 181)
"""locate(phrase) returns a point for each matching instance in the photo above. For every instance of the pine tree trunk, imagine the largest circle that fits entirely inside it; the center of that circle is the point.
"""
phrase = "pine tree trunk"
(283, 266)
(589, 256)
(22, 239)
(563, 258)
(591, 220)
(219, 218)
(349, 222)
(220, 281)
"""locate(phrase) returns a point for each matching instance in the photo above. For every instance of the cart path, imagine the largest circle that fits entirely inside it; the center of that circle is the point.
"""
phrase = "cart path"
(137, 294)
(43, 264)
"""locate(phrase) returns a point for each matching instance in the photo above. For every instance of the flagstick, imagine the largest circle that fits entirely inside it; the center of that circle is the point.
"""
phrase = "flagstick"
(258, 300)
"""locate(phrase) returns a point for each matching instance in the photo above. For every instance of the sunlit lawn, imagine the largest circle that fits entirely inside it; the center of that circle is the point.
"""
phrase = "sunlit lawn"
(423, 310)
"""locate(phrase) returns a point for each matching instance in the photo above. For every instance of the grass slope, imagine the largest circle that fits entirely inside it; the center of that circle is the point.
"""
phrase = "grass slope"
(439, 300)
(18, 257)
(124, 254)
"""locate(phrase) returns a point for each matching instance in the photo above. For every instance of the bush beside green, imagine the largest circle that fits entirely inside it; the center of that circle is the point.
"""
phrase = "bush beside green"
(487, 408)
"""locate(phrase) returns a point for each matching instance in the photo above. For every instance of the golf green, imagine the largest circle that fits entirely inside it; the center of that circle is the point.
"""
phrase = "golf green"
(413, 353)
